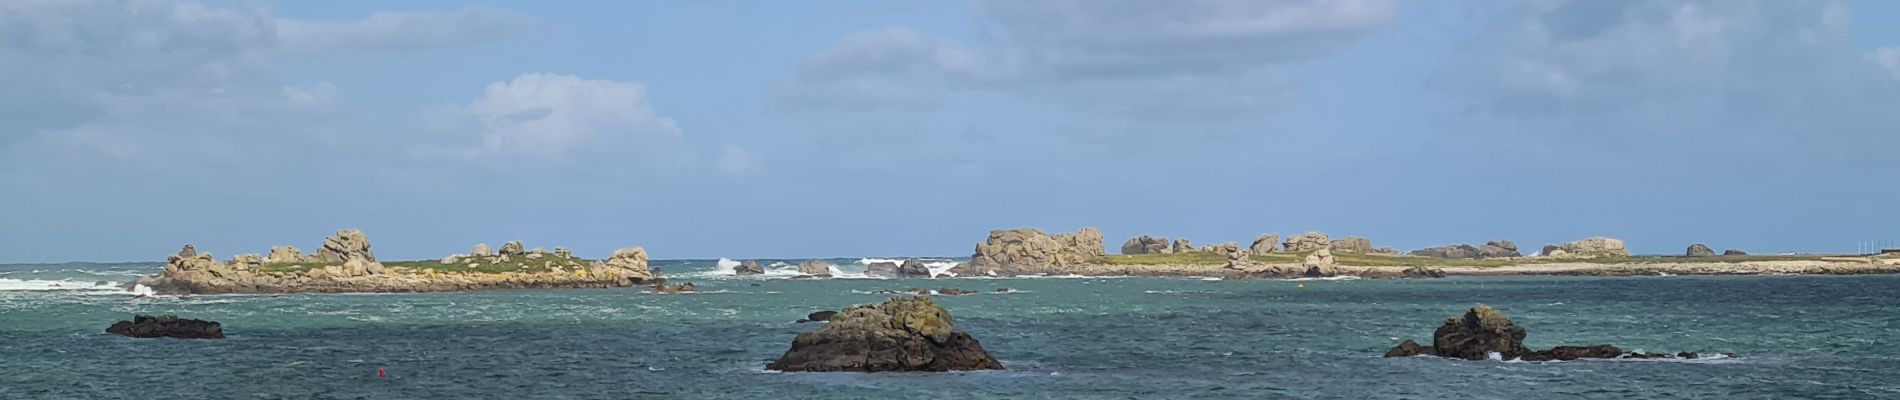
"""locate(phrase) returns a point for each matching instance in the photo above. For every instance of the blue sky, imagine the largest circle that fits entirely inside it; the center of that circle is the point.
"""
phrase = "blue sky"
(858, 128)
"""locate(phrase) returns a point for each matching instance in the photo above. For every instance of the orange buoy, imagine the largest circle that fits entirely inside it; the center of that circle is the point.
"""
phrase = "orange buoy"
(381, 374)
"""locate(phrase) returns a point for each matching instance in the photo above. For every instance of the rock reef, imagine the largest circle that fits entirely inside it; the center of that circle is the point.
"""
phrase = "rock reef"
(1024, 251)
(898, 335)
(1483, 333)
(146, 326)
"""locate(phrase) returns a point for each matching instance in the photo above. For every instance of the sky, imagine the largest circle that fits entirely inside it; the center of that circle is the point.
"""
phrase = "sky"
(754, 129)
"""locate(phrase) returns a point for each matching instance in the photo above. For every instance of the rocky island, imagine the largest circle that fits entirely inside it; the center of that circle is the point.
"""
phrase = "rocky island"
(345, 263)
(898, 335)
(1484, 333)
(1031, 252)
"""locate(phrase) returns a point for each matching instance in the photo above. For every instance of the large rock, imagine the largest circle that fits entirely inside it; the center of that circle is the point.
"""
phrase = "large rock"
(1306, 242)
(815, 268)
(1699, 250)
(145, 326)
(1181, 245)
(1483, 332)
(1734, 252)
(481, 250)
(345, 245)
(1594, 247)
(1499, 249)
(189, 259)
(748, 267)
(1265, 244)
(1352, 244)
(631, 264)
(898, 335)
(283, 254)
(1028, 250)
(913, 269)
(1452, 251)
(885, 269)
(513, 248)
(1146, 245)
(1320, 263)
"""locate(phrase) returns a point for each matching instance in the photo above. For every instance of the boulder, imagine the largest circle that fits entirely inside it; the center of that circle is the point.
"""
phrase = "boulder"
(1482, 332)
(670, 288)
(1699, 250)
(1352, 244)
(145, 326)
(1320, 263)
(950, 291)
(1734, 252)
(1422, 272)
(1551, 250)
(1236, 259)
(1146, 245)
(189, 259)
(882, 268)
(1595, 247)
(1452, 251)
(1306, 242)
(820, 316)
(283, 254)
(247, 260)
(563, 252)
(815, 268)
(897, 335)
(913, 269)
(631, 262)
(1408, 348)
(513, 248)
(1498, 249)
(1265, 244)
(748, 267)
(1181, 245)
(345, 245)
(481, 250)
(1030, 250)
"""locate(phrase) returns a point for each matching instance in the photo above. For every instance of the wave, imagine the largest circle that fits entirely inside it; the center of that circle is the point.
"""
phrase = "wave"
(64, 285)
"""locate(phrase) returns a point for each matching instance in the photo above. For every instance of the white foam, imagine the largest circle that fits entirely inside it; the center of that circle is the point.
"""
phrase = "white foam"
(37, 285)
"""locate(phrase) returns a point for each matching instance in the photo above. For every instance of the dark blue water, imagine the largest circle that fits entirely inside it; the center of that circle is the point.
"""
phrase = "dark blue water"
(1799, 337)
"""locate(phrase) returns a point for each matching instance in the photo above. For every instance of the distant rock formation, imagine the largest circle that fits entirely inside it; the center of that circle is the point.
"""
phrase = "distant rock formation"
(346, 244)
(913, 269)
(513, 248)
(563, 252)
(1025, 250)
(1386, 251)
(1306, 242)
(1236, 258)
(629, 263)
(818, 268)
(283, 254)
(673, 288)
(1699, 250)
(1146, 245)
(1452, 251)
(1265, 244)
(1592, 247)
(1498, 249)
(1734, 252)
(146, 326)
(1483, 332)
(1352, 244)
(1422, 272)
(749, 267)
(481, 250)
(1181, 245)
(1321, 263)
(882, 269)
(898, 335)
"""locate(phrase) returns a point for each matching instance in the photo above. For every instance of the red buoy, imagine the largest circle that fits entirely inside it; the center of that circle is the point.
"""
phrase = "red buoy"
(381, 374)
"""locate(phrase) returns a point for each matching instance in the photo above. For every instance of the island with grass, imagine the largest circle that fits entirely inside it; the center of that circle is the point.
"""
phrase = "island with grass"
(1031, 252)
(345, 264)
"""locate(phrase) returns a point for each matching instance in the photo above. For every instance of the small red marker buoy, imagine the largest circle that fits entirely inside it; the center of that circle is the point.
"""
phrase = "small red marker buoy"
(381, 374)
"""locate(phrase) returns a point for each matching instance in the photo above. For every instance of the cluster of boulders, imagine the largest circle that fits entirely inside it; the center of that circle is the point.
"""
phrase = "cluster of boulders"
(146, 326)
(1491, 249)
(1147, 245)
(1703, 250)
(1027, 251)
(1592, 247)
(1486, 333)
(909, 269)
(898, 335)
(344, 263)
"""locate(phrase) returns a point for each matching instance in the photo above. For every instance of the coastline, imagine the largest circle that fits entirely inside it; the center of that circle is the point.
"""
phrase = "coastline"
(1285, 270)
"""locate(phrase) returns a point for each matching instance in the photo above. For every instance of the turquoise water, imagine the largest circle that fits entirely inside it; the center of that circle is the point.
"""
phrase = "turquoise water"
(1799, 337)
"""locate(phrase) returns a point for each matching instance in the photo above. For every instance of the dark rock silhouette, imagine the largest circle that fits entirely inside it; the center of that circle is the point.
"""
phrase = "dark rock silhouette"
(901, 334)
(146, 326)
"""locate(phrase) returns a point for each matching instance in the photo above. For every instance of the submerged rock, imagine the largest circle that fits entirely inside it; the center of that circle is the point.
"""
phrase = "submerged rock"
(145, 326)
(901, 334)
(1482, 332)
(950, 291)
(669, 288)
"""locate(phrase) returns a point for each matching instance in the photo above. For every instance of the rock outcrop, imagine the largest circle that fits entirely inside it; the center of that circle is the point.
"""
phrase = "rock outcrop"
(346, 244)
(1181, 245)
(1498, 249)
(899, 335)
(817, 268)
(913, 269)
(1306, 242)
(1320, 263)
(481, 250)
(749, 267)
(145, 326)
(1028, 251)
(1147, 245)
(1352, 244)
(513, 248)
(283, 254)
(1452, 251)
(1734, 252)
(358, 273)
(673, 288)
(1484, 333)
(882, 268)
(1592, 247)
(1265, 244)
(1699, 250)
(629, 263)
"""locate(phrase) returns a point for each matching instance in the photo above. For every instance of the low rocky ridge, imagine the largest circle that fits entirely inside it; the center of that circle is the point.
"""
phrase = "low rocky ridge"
(1483, 331)
(146, 326)
(286, 271)
(898, 335)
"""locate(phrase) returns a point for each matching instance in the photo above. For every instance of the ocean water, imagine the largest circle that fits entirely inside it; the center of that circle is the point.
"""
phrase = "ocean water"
(1184, 338)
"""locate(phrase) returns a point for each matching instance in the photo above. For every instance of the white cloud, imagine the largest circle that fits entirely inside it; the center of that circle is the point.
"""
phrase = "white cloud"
(1212, 56)
(392, 32)
(549, 114)
(736, 160)
(1888, 58)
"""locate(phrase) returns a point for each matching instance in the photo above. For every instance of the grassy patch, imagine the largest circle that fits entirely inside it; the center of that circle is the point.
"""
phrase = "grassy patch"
(480, 264)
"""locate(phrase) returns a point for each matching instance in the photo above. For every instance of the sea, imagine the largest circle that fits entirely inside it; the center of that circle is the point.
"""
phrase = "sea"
(1807, 337)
